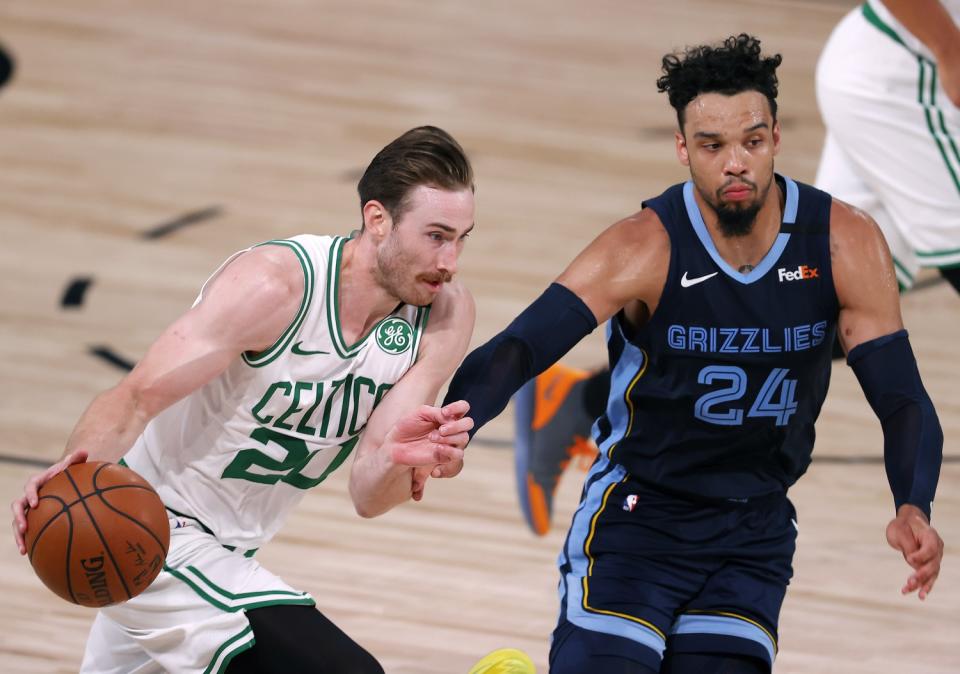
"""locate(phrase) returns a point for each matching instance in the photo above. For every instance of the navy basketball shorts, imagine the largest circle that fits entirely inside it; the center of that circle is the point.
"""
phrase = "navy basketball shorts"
(643, 571)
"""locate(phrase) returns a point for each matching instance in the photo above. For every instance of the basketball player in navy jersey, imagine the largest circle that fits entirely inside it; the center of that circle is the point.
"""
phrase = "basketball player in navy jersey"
(723, 296)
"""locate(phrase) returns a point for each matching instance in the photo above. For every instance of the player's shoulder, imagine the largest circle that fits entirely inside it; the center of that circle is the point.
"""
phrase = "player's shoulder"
(266, 274)
(639, 245)
(629, 261)
(858, 250)
(453, 301)
(642, 229)
(852, 227)
(449, 328)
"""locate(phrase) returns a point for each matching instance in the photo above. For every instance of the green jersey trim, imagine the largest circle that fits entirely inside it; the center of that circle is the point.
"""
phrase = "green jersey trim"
(877, 22)
(927, 97)
(249, 553)
(420, 326)
(230, 649)
(937, 126)
(270, 354)
(333, 303)
(904, 277)
(340, 345)
(232, 602)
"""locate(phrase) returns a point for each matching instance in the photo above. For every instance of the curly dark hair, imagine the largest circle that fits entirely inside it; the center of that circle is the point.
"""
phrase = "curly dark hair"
(730, 68)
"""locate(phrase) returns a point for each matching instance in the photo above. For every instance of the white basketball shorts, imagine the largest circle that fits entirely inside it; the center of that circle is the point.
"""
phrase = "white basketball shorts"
(892, 142)
(192, 617)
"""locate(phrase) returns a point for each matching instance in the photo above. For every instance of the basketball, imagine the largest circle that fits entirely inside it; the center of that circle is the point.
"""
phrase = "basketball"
(99, 534)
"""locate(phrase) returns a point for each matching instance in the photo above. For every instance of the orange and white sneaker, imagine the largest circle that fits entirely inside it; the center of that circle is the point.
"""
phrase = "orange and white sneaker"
(504, 661)
(552, 428)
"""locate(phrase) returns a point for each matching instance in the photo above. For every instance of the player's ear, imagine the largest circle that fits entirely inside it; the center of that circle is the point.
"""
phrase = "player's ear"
(682, 153)
(376, 219)
(775, 133)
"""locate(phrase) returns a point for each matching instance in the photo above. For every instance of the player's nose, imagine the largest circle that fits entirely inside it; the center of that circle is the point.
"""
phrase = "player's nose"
(735, 161)
(447, 260)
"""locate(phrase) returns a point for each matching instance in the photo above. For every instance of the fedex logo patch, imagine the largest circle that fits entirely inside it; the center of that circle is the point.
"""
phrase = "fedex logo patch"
(801, 273)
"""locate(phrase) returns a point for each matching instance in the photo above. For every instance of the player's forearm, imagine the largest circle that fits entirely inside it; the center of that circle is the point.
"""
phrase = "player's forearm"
(929, 22)
(535, 340)
(378, 484)
(109, 426)
(912, 437)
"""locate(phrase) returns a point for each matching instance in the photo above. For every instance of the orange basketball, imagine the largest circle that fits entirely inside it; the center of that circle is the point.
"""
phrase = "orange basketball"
(99, 534)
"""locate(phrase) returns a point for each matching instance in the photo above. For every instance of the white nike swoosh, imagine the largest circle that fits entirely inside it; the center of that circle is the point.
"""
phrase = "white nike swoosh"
(687, 282)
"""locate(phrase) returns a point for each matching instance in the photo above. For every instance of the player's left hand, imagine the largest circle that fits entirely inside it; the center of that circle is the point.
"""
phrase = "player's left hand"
(910, 533)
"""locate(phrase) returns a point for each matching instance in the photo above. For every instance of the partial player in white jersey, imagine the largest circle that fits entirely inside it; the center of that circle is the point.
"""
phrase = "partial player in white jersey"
(297, 354)
(888, 85)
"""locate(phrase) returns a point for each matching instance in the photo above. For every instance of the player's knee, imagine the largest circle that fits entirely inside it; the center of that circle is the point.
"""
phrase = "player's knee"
(576, 651)
(718, 663)
(608, 664)
(301, 639)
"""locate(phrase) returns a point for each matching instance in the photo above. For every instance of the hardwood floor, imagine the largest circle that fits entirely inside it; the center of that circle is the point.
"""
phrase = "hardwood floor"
(122, 117)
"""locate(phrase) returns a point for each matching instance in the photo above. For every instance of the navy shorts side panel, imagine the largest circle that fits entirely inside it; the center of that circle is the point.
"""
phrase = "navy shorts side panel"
(661, 571)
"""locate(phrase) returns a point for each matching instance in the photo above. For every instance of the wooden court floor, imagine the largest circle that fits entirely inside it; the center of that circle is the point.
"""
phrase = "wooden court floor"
(142, 143)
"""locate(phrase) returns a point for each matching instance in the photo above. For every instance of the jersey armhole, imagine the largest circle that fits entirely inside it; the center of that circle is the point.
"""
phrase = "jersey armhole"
(419, 328)
(270, 354)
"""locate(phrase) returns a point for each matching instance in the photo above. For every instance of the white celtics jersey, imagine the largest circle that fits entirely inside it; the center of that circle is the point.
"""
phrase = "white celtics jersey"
(238, 453)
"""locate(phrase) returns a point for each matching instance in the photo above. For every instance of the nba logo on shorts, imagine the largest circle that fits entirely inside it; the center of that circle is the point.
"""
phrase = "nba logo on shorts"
(630, 502)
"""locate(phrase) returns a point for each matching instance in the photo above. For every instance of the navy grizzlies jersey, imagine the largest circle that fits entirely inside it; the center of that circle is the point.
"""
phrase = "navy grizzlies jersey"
(716, 396)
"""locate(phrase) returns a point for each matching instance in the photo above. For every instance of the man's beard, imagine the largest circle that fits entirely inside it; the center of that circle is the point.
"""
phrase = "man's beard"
(393, 274)
(737, 221)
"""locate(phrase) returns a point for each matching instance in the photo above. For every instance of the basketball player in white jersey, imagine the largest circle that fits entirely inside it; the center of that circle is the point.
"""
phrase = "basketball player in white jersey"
(296, 354)
(888, 85)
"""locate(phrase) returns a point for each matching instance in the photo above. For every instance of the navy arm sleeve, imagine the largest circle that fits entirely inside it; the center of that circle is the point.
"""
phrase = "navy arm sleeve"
(534, 341)
(912, 437)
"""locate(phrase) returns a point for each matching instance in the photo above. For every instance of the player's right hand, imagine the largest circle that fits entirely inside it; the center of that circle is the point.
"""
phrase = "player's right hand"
(429, 435)
(30, 499)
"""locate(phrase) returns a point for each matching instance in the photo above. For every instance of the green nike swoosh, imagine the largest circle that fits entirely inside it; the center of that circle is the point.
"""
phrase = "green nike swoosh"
(301, 352)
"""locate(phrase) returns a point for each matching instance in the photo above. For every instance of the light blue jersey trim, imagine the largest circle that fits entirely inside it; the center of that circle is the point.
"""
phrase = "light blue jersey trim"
(631, 362)
(792, 203)
(770, 259)
(601, 479)
(723, 626)
(571, 589)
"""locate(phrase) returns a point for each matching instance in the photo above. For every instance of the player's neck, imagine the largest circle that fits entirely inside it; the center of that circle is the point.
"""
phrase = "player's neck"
(362, 299)
(743, 253)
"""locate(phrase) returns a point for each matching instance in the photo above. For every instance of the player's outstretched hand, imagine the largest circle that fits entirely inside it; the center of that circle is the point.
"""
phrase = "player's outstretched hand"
(30, 499)
(910, 533)
(430, 436)
(453, 430)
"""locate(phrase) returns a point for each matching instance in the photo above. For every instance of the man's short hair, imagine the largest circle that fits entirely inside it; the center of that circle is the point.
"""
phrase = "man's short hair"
(425, 155)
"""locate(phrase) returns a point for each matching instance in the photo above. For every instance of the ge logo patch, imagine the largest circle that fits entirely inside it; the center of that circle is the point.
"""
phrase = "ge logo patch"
(394, 335)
